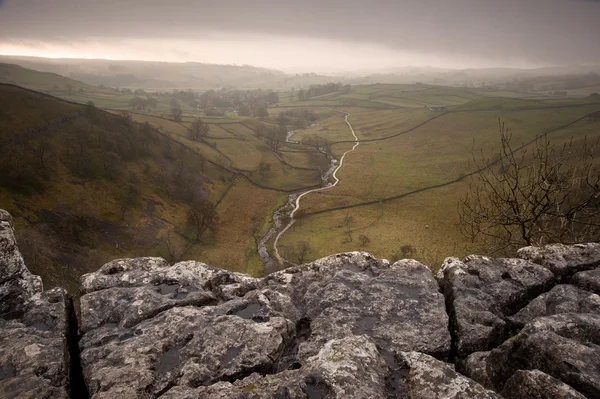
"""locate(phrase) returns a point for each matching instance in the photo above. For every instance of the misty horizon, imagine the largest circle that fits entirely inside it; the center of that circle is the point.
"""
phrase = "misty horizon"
(310, 36)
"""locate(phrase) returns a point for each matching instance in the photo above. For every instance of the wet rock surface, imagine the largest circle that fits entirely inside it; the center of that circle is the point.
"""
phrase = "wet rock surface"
(34, 354)
(345, 326)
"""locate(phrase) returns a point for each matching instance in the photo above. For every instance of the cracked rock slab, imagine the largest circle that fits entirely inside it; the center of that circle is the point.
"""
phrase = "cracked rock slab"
(344, 368)
(564, 260)
(33, 349)
(424, 377)
(565, 346)
(399, 306)
(481, 292)
(184, 346)
(563, 298)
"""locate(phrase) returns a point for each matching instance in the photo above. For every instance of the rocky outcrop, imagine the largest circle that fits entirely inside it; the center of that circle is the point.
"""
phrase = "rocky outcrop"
(534, 384)
(34, 328)
(563, 298)
(564, 260)
(181, 327)
(482, 292)
(565, 346)
(345, 326)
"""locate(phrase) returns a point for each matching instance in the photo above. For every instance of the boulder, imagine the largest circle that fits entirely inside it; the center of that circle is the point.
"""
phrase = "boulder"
(566, 346)
(17, 284)
(181, 326)
(534, 384)
(564, 260)
(474, 366)
(424, 377)
(563, 298)
(346, 368)
(588, 280)
(481, 292)
(398, 306)
(34, 328)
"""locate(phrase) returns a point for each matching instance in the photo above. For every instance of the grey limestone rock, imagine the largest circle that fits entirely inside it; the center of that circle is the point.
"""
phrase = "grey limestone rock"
(565, 346)
(481, 292)
(563, 298)
(588, 280)
(344, 368)
(176, 328)
(474, 366)
(564, 260)
(34, 355)
(17, 284)
(534, 384)
(398, 305)
(424, 377)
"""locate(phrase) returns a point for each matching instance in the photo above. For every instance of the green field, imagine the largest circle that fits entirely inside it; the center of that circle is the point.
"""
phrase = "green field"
(396, 159)
(412, 139)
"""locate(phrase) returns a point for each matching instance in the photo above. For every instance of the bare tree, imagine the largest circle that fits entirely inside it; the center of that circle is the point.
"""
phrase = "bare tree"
(202, 216)
(533, 195)
(176, 110)
(198, 129)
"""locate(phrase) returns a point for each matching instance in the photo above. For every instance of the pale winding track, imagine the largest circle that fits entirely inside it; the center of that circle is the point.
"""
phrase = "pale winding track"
(280, 259)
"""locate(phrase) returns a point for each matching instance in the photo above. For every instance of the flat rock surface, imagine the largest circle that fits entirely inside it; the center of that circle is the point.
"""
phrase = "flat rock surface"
(565, 346)
(564, 260)
(398, 305)
(180, 327)
(482, 292)
(346, 368)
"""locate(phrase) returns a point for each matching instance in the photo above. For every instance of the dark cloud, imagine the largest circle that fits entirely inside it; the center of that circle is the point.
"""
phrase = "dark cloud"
(536, 31)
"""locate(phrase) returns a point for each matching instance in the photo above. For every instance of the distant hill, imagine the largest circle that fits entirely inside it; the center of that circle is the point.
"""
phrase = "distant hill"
(41, 81)
(152, 75)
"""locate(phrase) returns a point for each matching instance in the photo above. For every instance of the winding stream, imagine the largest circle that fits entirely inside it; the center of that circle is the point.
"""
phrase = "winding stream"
(292, 205)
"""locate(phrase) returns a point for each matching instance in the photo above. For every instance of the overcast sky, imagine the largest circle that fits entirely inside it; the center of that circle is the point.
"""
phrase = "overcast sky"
(320, 35)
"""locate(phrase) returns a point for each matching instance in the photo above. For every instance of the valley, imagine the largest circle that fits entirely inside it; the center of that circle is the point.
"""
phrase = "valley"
(94, 177)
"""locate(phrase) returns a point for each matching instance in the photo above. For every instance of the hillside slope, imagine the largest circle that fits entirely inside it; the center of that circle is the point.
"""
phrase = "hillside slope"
(86, 186)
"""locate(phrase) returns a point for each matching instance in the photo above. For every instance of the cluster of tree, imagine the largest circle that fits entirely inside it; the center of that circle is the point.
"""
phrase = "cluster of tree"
(137, 92)
(217, 102)
(318, 90)
(198, 129)
(533, 195)
(140, 103)
(299, 118)
(274, 136)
